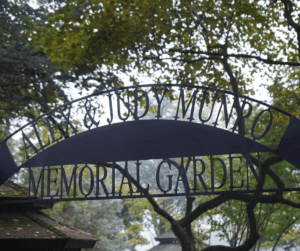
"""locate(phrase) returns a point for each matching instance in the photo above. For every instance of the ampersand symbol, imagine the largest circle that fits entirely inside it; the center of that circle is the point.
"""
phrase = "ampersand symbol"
(88, 108)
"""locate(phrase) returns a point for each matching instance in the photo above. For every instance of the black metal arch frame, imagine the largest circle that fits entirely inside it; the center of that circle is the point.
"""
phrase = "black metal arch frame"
(138, 138)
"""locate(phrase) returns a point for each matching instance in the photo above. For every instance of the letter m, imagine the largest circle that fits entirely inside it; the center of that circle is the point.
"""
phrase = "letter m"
(183, 107)
(33, 184)
(65, 181)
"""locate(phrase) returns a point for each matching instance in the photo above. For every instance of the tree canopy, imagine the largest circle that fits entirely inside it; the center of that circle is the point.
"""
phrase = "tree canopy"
(27, 81)
(211, 43)
(221, 44)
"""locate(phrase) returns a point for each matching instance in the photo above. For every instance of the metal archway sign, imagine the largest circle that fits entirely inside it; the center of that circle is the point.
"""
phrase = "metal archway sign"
(144, 127)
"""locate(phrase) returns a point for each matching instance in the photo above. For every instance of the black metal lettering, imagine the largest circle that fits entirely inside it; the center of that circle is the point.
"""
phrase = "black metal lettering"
(202, 106)
(224, 105)
(212, 173)
(140, 189)
(88, 108)
(136, 104)
(182, 174)
(38, 137)
(232, 171)
(91, 181)
(268, 126)
(30, 144)
(51, 130)
(127, 106)
(101, 181)
(185, 109)
(199, 175)
(33, 185)
(125, 173)
(169, 176)
(110, 109)
(51, 181)
(113, 170)
(257, 176)
(241, 117)
(159, 101)
(67, 121)
(65, 181)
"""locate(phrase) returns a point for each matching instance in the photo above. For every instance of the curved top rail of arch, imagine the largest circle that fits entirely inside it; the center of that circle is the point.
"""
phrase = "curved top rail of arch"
(148, 122)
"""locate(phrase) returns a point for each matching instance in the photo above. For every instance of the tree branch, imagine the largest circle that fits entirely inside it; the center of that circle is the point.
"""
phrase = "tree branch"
(288, 9)
(204, 207)
(253, 237)
(266, 61)
(156, 207)
(281, 233)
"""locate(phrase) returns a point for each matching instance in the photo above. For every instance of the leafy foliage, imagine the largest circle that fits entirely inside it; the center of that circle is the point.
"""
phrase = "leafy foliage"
(27, 76)
(221, 44)
(100, 218)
